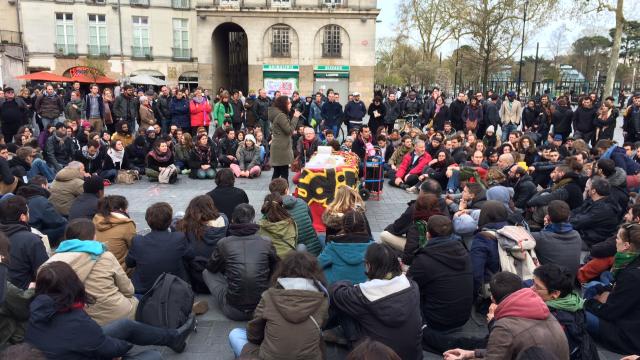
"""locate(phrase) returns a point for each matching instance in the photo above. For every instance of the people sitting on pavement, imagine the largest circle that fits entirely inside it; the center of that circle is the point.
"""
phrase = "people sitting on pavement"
(67, 186)
(235, 277)
(114, 227)
(86, 205)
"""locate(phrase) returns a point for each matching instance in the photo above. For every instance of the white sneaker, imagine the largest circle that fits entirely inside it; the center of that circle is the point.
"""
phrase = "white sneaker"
(412, 190)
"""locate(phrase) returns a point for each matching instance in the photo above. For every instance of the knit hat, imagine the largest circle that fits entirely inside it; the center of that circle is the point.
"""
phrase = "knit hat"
(501, 194)
(557, 137)
(490, 129)
(93, 184)
(151, 129)
(250, 138)
(349, 138)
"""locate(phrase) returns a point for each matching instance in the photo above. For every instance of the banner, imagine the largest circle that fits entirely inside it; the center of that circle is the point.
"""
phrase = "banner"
(285, 86)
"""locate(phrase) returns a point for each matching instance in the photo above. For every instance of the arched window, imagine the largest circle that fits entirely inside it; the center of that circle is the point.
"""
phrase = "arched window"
(332, 42)
(280, 41)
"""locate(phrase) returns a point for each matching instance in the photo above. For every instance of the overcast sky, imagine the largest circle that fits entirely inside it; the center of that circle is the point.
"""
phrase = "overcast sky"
(590, 25)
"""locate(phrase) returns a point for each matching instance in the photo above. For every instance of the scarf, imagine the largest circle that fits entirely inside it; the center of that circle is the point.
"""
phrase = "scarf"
(621, 260)
(159, 157)
(203, 152)
(115, 155)
(85, 153)
(559, 228)
(198, 100)
(52, 96)
(571, 303)
(438, 107)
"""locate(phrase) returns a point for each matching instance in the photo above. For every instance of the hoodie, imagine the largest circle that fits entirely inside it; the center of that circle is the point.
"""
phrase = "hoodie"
(299, 211)
(442, 270)
(294, 309)
(386, 310)
(283, 234)
(69, 335)
(523, 320)
(343, 258)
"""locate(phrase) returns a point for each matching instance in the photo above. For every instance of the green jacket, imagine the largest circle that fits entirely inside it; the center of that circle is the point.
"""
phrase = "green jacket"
(219, 111)
(283, 235)
(14, 314)
(299, 211)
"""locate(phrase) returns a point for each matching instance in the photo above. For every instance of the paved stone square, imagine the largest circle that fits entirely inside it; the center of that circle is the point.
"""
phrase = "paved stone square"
(210, 341)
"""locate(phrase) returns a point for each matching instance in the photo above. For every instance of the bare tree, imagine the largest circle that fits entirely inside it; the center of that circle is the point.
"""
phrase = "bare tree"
(431, 19)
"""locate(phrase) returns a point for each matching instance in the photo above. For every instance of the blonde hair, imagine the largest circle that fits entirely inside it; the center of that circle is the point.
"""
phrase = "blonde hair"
(346, 198)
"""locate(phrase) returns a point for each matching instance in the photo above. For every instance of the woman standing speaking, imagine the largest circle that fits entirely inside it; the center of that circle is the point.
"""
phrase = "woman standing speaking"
(281, 130)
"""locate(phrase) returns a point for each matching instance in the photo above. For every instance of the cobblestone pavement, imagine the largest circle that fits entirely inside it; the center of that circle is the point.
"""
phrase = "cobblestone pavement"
(210, 341)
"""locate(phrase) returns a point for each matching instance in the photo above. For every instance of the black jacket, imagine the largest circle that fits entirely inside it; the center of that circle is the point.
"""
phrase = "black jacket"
(246, 259)
(386, 310)
(136, 153)
(442, 270)
(91, 166)
(19, 167)
(161, 109)
(156, 253)
(70, 335)
(595, 220)
(561, 120)
(620, 315)
(569, 191)
(84, 206)
(456, 109)
(226, 198)
(532, 118)
(440, 118)
(583, 119)
(58, 153)
(523, 190)
(27, 253)
(631, 122)
(260, 108)
(6, 176)
(401, 225)
(392, 111)
(581, 345)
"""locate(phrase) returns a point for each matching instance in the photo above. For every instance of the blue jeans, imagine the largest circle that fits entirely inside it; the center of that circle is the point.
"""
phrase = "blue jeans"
(591, 288)
(40, 167)
(507, 129)
(265, 128)
(454, 181)
(138, 333)
(46, 122)
(593, 324)
(165, 124)
(109, 174)
(237, 340)
(210, 173)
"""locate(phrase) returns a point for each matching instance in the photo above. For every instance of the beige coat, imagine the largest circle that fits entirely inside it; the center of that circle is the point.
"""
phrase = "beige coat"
(117, 234)
(66, 187)
(146, 117)
(104, 279)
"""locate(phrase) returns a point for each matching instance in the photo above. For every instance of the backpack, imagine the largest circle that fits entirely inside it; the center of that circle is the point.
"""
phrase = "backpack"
(168, 175)
(167, 304)
(516, 250)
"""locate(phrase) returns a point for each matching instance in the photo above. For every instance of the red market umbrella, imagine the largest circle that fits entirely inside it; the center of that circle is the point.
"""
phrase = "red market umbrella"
(100, 79)
(44, 76)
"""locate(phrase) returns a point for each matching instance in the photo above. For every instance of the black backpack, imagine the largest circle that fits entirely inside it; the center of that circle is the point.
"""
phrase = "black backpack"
(167, 304)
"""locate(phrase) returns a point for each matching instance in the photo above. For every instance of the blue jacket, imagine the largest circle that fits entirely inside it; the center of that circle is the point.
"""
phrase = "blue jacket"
(484, 256)
(355, 110)
(70, 335)
(342, 260)
(180, 113)
(619, 155)
(156, 253)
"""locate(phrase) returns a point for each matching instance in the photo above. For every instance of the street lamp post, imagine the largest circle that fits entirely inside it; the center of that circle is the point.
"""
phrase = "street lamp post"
(524, 25)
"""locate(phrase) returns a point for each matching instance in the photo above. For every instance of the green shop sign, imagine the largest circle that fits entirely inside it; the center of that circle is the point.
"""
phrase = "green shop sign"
(332, 68)
(280, 67)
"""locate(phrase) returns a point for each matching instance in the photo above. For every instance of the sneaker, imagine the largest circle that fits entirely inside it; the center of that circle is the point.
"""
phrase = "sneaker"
(412, 190)
(106, 182)
(180, 342)
(200, 307)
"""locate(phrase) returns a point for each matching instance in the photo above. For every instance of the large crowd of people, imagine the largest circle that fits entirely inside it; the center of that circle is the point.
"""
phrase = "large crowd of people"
(526, 213)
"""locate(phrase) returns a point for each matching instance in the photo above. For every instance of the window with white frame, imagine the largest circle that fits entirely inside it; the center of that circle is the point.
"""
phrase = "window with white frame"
(65, 34)
(141, 43)
(332, 46)
(229, 3)
(333, 2)
(280, 43)
(98, 44)
(181, 39)
(281, 3)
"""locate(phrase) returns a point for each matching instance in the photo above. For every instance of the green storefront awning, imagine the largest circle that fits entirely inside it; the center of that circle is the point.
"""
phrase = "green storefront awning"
(279, 74)
(324, 75)
(332, 68)
(280, 68)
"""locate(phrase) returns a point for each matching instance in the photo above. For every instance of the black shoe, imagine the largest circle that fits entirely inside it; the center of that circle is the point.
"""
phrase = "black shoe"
(180, 342)
(403, 186)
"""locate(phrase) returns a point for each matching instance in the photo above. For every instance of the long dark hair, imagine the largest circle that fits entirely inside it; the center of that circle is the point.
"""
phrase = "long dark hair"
(281, 103)
(201, 210)
(112, 203)
(58, 281)
(299, 264)
(273, 210)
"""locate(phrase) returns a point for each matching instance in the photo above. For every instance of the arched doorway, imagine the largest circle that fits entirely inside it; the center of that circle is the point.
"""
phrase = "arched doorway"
(230, 57)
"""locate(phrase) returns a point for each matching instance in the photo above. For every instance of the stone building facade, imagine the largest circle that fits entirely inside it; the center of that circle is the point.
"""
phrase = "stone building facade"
(283, 45)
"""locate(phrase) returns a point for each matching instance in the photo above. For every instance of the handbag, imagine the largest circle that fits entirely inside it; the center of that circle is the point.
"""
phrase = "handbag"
(127, 177)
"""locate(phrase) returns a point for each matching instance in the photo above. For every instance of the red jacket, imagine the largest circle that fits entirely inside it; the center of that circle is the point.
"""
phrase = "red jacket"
(200, 113)
(409, 167)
